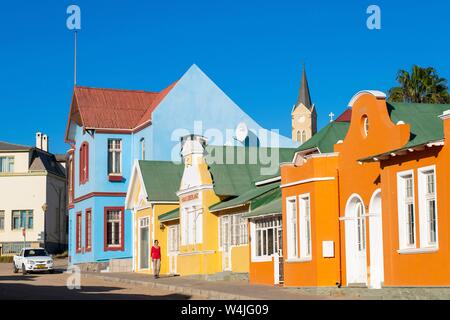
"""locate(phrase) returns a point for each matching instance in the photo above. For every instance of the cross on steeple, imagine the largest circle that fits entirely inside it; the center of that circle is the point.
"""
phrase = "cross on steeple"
(331, 115)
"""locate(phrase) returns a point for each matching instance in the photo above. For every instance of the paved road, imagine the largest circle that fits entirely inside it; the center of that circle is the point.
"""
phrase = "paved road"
(53, 286)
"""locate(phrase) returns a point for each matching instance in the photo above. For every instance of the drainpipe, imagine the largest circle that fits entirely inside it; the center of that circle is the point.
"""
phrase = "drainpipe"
(339, 284)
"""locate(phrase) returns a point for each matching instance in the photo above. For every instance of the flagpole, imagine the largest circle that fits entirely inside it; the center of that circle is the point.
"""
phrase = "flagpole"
(75, 60)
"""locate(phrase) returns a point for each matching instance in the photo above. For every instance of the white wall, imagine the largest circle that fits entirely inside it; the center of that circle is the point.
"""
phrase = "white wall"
(21, 160)
(25, 192)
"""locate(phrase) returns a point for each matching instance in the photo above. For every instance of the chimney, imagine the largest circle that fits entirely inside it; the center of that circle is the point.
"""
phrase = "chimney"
(45, 143)
(39, 140)
(193, 149)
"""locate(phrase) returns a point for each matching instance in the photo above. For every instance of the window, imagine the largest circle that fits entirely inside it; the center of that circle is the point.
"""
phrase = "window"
(70, 178)
(233, 230)
(303, 140)
(305, 227)
(114, 228)
(292, 227)
(84, 163)
(361, 227)
(406, 210)
(22, 219)
(192, 225)
(365, 124)
(268, 235)
(115, 156)
(78, 233)
(6, 164)
(174, 238)
(142, 149)
(2, 220)
(428, 207)
(88, 229)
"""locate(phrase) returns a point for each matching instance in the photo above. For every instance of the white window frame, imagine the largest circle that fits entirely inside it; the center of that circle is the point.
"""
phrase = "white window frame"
(292, 231)
(114, 221)
(305, 226)
(192, 225)
(238, 230)
(402, 210)
(114, 149)
(173, 239)
(424, 197)
(10, 164)
(277, 226)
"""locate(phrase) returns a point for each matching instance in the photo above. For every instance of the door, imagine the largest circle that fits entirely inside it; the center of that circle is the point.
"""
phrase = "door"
(361, 257)
(225, 233)
(174, 236)
(355, 242)
(144, 244)
(376, 242)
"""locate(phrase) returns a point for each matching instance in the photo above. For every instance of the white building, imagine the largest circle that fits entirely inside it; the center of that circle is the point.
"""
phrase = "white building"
(32, 197)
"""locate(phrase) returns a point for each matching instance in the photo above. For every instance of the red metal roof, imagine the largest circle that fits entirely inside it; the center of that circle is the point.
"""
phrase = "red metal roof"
(99, 108)
(346, 116)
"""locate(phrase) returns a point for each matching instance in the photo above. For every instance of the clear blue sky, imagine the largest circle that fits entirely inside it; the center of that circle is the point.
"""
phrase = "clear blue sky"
(253, 50)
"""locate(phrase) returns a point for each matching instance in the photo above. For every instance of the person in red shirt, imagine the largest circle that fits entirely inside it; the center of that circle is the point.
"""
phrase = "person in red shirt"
(156, 258)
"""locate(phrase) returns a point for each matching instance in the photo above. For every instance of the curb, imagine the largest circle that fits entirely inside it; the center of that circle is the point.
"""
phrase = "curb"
(209, 294)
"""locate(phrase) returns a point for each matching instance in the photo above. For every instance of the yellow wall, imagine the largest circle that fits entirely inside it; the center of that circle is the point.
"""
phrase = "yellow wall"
(159, 234)
(240, 259)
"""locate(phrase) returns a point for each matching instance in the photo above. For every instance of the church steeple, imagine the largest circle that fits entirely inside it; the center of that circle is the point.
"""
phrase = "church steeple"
(304, 116)
(304, 96)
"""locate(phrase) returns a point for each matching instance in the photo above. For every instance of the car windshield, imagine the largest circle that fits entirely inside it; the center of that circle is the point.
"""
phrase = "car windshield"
(35, 253)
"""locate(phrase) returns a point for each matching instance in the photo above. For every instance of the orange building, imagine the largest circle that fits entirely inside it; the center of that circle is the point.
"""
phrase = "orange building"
(364, 201)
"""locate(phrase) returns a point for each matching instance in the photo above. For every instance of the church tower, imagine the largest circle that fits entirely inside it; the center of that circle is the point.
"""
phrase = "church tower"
(304, 116)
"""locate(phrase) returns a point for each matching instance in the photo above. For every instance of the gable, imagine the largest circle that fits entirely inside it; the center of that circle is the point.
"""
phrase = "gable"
(196, 105)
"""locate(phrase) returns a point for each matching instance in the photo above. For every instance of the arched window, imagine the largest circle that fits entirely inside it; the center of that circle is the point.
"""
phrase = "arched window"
(361, 226)
(299, 136)
(84, 162)
(142, 149)
(303, 136)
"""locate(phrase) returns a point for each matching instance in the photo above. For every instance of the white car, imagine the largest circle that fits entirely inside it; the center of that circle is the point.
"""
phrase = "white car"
(33, 259)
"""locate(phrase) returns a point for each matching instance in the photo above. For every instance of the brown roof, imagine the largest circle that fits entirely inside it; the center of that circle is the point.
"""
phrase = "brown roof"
(99, 108)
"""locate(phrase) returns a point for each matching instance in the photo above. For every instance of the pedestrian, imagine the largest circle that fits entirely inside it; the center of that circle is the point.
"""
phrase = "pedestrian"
(156, 258)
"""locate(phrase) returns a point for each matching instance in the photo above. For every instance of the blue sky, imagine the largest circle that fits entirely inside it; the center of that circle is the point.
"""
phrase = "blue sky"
(254, 50)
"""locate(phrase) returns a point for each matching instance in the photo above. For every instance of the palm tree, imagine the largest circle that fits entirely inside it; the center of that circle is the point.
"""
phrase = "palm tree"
(422, 85)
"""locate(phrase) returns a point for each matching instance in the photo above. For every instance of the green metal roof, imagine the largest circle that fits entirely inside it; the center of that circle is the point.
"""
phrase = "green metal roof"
(269, 203)
(171, 215)
(245, 198)
(327, 137)
(161, 179)
(424, 120)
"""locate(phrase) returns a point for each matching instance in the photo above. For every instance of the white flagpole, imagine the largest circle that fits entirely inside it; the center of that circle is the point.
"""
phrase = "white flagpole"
(75, 60)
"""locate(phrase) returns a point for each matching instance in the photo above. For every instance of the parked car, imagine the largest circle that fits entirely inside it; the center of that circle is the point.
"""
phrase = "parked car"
(33, 259)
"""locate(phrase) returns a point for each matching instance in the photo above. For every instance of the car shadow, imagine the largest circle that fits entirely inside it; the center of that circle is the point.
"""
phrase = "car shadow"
(25, 291)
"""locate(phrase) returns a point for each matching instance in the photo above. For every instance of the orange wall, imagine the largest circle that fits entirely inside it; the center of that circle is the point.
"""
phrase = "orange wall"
(261, 272)
(324, 222)
(423, 269)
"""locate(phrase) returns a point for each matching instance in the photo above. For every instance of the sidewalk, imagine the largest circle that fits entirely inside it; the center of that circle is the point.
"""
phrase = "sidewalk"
(215, 290)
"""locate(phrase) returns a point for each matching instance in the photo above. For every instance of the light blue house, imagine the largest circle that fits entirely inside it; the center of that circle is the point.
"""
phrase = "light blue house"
(108, 129)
